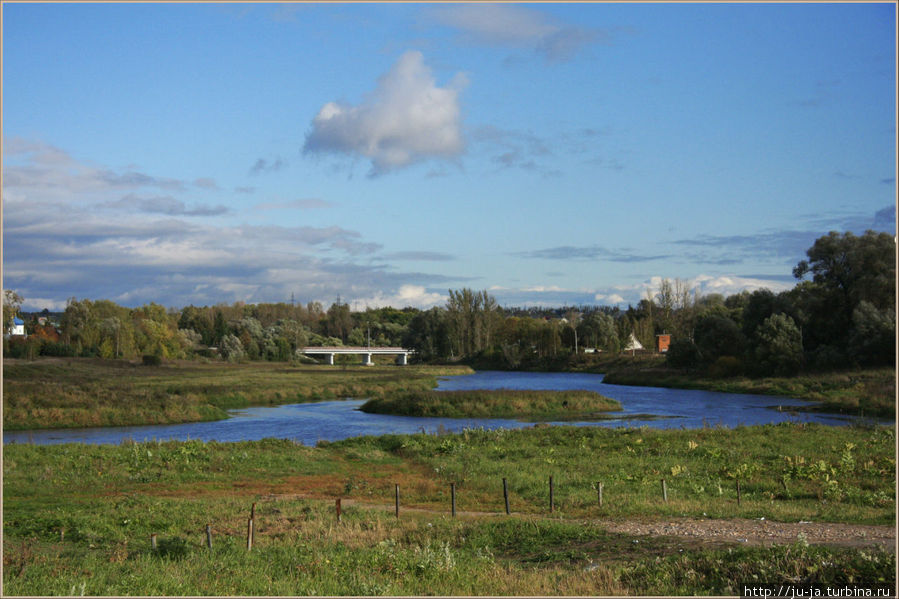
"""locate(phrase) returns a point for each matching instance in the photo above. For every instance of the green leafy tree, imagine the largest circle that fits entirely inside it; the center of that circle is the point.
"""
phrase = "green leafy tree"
(779, 346)
(473, 317)
(231, 348)
(717, 336)
(428, 335)
(682, 353)
(339, 322)
(873, 338)
(845, 270)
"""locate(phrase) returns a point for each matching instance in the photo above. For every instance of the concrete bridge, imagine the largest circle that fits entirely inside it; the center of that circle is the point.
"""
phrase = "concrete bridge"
(401, 353)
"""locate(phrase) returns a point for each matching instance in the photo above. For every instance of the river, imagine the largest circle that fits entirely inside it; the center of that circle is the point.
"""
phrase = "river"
(310, 423)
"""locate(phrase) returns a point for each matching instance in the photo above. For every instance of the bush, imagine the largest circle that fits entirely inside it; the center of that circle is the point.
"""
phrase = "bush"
(152, 360)
(57, 349)
(726, 366)
(16, 348)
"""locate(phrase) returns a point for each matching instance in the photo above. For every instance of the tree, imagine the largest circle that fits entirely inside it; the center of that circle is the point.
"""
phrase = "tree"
(847, 270)
(12, 301)
(873, 338)
(779, 346)
(598, 329)
(339, 323)
(231, 348)
(428, 335)
(682, 353)
(472, 318)
(718, 336)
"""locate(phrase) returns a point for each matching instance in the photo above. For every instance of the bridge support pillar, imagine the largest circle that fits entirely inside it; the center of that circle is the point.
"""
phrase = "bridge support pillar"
(402, 360)
(330, 359)
(366, 360)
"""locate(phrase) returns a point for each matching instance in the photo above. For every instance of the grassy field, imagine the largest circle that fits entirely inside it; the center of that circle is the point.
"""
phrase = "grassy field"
(60, 392)
(502, 403)
(108, 500)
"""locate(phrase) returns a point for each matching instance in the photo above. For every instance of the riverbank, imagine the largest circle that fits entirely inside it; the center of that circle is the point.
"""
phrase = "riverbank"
(78, 519)
(858, 392)
(528, 406)
(88, 392)
(870, 392)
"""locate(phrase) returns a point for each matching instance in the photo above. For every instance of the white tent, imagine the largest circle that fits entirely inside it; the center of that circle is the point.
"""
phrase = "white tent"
(633, 344)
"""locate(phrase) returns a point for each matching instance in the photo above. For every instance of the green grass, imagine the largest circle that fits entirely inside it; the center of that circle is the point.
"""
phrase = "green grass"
(108, 500)
(78, 392)
(503, 403)
(787, 472)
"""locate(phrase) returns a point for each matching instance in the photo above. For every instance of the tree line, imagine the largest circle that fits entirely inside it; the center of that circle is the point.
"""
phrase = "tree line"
(840, 314)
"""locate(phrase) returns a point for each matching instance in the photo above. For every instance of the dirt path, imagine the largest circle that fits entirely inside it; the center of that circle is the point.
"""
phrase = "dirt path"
(708, 532)
(762, 532)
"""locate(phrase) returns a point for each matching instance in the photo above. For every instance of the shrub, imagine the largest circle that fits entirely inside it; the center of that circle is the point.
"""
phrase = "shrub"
(57, 349)
(152, 360)
(726, 366)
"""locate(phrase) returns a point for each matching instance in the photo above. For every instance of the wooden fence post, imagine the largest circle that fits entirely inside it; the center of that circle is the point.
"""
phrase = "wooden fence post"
(506, 496)
(396, 492)
(249, 534)
(153, 541)
(599, 493)
(664, 491)
(209, 536)
(337, 508)
(453, 497)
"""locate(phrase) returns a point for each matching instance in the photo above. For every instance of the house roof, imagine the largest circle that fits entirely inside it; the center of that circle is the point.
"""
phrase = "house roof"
(18, 320)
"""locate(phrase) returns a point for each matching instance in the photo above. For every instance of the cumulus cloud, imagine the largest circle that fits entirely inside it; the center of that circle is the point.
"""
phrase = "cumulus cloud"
(516, 26)
(414, 296)
(407, 119)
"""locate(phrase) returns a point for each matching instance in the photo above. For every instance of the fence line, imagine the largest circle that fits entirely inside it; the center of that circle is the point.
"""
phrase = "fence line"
(599, 485)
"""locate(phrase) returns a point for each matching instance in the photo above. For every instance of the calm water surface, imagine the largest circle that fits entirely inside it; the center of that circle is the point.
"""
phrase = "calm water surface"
(335, 420)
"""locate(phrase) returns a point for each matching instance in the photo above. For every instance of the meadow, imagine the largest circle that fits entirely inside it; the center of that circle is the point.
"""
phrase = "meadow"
(79, 392)
(78, 519)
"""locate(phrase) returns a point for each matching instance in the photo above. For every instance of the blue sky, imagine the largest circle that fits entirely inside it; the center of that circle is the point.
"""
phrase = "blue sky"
(554, 154)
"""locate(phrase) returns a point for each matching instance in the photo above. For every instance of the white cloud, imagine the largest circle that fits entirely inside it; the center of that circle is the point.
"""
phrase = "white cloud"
(407, 119)
(517, 26)
(611, 299)
(414, 296)
(496, 23)
(69, 231)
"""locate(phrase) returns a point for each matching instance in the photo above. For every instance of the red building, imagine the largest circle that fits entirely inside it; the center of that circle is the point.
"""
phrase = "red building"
(662, 343)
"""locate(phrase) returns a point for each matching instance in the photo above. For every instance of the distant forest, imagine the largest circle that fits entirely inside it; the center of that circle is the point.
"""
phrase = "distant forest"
(842, 313)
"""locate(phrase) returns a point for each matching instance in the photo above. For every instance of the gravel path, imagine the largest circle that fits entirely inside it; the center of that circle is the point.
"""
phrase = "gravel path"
(762, 532)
